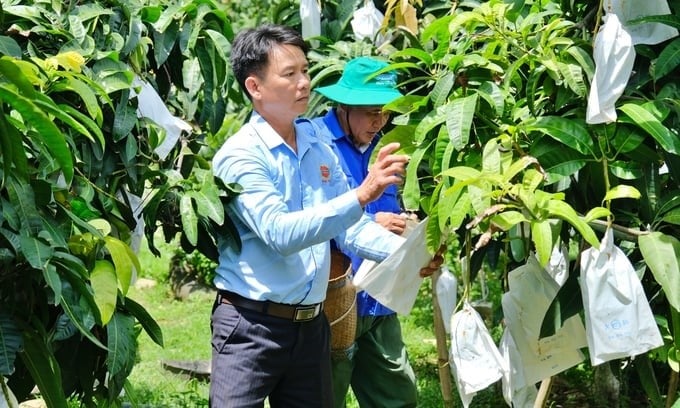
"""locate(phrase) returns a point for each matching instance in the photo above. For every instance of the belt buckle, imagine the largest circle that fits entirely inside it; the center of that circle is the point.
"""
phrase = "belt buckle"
(305, 313)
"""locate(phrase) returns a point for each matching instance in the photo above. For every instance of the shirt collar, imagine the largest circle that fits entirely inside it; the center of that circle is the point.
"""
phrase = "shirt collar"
(303, 133)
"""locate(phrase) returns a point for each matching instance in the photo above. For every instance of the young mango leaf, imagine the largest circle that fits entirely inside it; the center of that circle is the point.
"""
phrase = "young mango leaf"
(564, 211)
(541, 236)
(459, 115)
(622, 191)
(105, 287)
(125, 261)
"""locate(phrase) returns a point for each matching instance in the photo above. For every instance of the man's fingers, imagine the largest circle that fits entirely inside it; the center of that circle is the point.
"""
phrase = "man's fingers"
(387, 150)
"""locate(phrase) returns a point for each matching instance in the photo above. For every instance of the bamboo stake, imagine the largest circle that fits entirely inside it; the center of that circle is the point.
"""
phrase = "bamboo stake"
(543, 393)
(442, 348)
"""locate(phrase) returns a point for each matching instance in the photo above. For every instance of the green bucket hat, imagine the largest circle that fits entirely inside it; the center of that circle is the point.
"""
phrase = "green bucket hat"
(357, 87)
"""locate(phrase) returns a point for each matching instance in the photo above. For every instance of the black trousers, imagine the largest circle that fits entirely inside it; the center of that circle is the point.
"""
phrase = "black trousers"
(256, 356)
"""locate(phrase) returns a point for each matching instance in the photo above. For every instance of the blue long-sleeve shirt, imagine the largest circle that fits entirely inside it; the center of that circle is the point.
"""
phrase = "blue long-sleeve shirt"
(291, 206)
(355, 163)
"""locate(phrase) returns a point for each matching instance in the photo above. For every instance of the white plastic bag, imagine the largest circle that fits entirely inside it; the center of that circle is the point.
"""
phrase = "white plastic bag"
(395, 281)
(532, 290)
(150, 105)
(645, 33)
(474, 358)
(310, 17)
(614, 55)
(447, 295)
(366, 22)
(619, 321)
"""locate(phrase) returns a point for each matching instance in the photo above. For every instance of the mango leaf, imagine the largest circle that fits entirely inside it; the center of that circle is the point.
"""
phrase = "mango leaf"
(44, 369)
(103, 281)
(411, 192)
(564, 211)
(124, 259)
(144, 318)
(668, 60)
(541, 235)
(661, 252)
(508, 219)
(208, 202)
(567, 131)
(460, 113)
(68, 309)
(46, 131)
(567, 303)
(595, 213)
(442, 88)
(189, 219)
(9, 47)
(622, 191)
(10, 343)
(650, 124)
(122, 350)
(37, 253)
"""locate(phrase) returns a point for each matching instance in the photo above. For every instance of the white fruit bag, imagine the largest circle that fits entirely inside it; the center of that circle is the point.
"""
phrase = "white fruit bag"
(310, 18)
(474, 358)
(395, 281)
(644, 33)
(619, 321)
(614, 55)
(532, 290)
(523, 397)
(447, 295)
(366, 22)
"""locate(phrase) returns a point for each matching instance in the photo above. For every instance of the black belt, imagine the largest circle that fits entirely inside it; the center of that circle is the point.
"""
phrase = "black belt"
(296, 313)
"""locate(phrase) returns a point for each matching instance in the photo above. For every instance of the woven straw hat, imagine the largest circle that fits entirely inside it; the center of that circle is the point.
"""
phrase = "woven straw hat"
(341, 312)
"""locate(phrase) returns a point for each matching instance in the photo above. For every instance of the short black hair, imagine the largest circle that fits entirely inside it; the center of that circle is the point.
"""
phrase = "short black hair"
(251, 47)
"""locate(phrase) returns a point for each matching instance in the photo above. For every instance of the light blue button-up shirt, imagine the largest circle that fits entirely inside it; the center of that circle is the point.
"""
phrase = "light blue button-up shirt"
(291, 206)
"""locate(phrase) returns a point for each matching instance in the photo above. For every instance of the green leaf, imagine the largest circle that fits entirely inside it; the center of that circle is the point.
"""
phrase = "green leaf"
(10, 343)
(596, 213)
(541, 235)
(44, 370)
(9, 47)
(442, 88)
(661, 253)
(668, 60)
(622, 191)
(46, 131)
(125, 261)
(103, 281)
(121, 343)
(68, 309)
(459, 115)
(36, 252)
(411, 192)
(649, 123)
(189, 219)
(564, 211)
(148, 323)
(508, 219)
(568, 131)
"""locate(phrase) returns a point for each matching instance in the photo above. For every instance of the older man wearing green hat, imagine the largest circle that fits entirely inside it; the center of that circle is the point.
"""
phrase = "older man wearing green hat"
(376, 365)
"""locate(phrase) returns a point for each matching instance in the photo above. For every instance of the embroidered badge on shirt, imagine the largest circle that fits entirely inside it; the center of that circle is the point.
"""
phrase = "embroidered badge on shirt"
(325, 173)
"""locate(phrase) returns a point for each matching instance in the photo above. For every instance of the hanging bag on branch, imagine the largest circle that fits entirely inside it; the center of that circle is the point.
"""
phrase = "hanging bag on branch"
(532, 290)
(619, 321)
(474, 358)
(366, 22)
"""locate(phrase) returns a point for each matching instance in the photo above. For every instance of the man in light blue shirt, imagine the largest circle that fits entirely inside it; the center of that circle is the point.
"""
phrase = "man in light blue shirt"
(270, 339)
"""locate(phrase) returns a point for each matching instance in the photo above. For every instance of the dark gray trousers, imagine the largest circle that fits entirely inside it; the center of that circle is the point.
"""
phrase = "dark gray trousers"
(256, 356)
